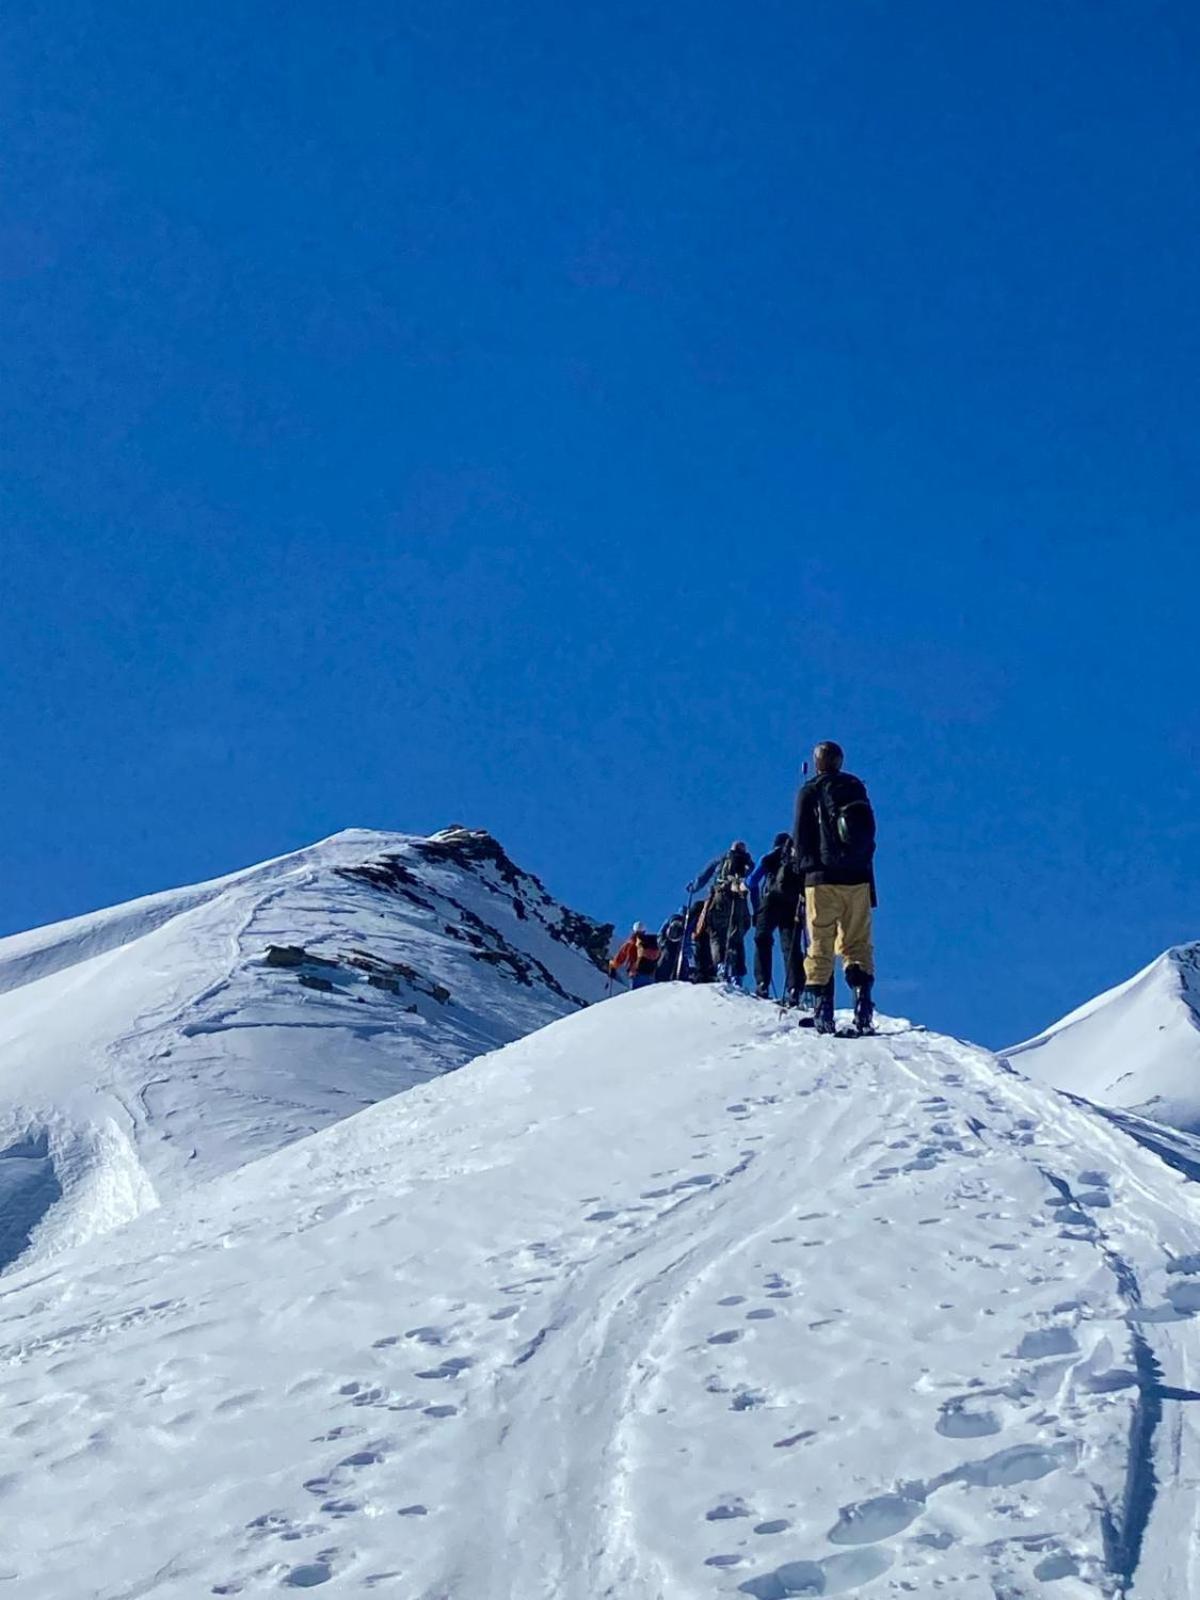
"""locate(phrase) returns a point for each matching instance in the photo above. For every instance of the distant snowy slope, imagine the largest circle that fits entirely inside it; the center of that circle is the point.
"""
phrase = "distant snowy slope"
(667, 1301)
(1136, 1047)
(154, 1045)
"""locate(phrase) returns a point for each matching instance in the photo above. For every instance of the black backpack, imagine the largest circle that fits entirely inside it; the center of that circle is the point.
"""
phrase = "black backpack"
(785, 878)
(847, 823)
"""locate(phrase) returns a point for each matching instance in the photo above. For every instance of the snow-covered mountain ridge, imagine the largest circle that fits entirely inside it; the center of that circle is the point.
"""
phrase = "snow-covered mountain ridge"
(155, 1045)
(1135, 1048)
(666, 1301)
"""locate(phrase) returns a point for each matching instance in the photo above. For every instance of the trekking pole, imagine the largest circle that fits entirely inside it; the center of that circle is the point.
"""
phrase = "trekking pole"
(687, 917)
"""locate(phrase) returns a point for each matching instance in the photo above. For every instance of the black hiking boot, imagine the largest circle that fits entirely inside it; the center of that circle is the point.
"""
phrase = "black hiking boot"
(864, 1006)
(817, 1006)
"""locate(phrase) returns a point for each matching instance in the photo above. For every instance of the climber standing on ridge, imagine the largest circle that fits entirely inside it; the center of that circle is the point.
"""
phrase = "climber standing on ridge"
(776, 888)
(726, 917)
(834, 838)
(638, 956)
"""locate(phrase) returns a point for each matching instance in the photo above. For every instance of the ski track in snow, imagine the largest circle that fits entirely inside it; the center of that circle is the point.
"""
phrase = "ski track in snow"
(669, 1301)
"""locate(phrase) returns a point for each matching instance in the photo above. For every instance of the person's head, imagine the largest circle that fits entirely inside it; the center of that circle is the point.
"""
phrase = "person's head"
(781, 839)
(828, 757)
(738, 847)
(639, 927)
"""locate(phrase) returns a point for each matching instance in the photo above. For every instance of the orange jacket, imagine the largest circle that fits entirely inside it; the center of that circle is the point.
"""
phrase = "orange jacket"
(638, 948)
(626, 956)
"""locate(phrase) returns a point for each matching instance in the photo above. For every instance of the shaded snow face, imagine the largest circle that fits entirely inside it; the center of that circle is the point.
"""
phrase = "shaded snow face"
(668, 1299)
(156, 1045)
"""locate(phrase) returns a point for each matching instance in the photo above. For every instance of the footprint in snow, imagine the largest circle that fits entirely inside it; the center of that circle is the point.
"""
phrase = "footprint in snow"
(1042, 1342)
(1059, 1565)
(835, 1575)
(733, 1300)
(728, 1510)
(957, 1422)
(868, 1521)
(310, 1576)
(447, 1369)
(726, 1336)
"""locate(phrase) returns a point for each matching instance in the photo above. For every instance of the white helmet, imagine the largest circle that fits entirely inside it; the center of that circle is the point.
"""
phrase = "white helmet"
(639, 927)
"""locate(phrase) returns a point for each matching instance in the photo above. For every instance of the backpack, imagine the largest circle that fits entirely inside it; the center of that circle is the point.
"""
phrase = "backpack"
(734, 869)
(847, 823)
(785, 879)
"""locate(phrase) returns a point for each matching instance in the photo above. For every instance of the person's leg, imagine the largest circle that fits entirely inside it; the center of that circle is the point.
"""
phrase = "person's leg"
(763, 935)
(821, 906)
(718, 928)
(702, 955)
(854, 934)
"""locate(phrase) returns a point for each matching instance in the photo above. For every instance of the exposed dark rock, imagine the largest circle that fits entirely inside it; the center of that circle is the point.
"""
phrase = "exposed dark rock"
(391, 873)
(377, 981)
(311, 981)
(285, 955)
(581, 933)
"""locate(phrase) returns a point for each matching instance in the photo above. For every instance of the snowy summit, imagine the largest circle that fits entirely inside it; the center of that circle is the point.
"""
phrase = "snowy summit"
(666, 1300)
(1136, 1048)
(150, 1047)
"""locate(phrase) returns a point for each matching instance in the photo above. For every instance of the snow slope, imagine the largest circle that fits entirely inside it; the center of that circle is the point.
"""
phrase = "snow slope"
(153, 1046)
(1136, 1048)
(666, 1301)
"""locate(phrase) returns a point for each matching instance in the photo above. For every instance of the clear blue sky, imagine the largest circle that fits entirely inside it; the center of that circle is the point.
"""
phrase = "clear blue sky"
(555, 417)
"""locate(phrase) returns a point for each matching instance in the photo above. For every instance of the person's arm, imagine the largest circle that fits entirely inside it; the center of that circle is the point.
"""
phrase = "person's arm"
(807, 831)
(702, 878)
(754, 884)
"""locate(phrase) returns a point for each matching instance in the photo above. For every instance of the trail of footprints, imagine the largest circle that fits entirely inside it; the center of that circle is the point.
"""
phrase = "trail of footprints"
(435, 1390)
(1049, 1369)
(367, 1473)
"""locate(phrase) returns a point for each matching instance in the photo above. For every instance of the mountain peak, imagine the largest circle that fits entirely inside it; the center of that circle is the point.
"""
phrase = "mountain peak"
(170, 1039)
(1135, 1048)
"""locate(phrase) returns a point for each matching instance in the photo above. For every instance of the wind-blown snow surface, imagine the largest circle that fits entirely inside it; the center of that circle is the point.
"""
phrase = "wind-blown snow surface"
(666, 1301)
(155, 1045)
(1136, 1047)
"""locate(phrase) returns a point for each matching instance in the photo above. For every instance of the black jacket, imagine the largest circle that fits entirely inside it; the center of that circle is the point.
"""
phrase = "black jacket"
(821, 856)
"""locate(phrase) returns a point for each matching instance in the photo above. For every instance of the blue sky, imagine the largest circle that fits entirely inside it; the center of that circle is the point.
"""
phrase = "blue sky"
(557, 417)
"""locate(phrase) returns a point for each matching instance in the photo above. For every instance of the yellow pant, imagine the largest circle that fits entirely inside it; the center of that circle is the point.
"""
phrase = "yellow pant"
(839, 923)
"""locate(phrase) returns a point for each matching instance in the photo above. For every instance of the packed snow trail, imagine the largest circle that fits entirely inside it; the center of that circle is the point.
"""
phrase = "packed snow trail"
(667, 1301)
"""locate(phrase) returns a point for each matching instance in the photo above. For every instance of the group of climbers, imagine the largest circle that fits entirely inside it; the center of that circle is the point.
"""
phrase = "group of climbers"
(812, 893)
